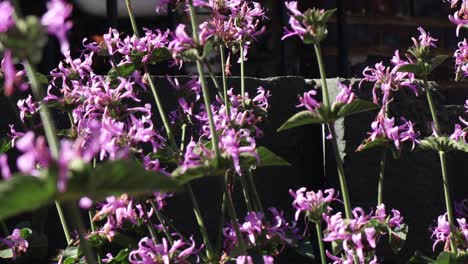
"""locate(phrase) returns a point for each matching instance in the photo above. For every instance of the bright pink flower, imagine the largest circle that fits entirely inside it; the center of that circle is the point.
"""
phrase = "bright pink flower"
(57, 23)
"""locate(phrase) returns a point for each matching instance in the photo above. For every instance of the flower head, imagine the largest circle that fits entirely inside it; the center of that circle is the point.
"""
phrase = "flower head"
(6, 16)
(313, 204)
(57, 23)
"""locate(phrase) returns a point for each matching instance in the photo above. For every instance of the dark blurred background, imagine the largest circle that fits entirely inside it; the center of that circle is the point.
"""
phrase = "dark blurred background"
(363, 32)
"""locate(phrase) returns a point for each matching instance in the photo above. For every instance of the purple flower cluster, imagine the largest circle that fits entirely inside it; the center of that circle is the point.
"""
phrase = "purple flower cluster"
(388, 80)
(263, 234)
(384, 127)
(442, 233)
(16, 242)
(116, 211)
(460, 17)
(313, 204)
(57, 23)
(345, 96)
(358, 237)
(237, 129)
(150, 252)
(461, 59)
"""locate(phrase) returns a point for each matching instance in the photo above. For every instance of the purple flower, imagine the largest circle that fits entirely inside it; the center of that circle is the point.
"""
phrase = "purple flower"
(57, 23)
(308, 101)
(461, 59)
(16, 242)
(35, 154)
(459, 21)
(441, 232)
(4, 167)
(6, 16)
(458, 134)
(234, 144)
(292, 7)
(313, 204)
(149, 252)
(265, 234)
(11, 76)
(425, 39)
(85, 203)
(116, 210)
(346, 95)
(27, 107)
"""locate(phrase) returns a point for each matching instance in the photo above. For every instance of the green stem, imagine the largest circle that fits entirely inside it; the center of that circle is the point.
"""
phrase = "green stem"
(448, 200)
(206, 95)
(323, 76)
(50, 132)
(324, 151)
(213, 78)
(132, 18)
(225, 88)
(443, 165)
(432, 107)
(245, 189)
(221, 223)
(233, 215)
(162, 113)
(381, 177)
(242, 69)
(341, 174)
(323, 257)
(201, 224)
(253, 187)
(93, 229)
(158, 215)
(331, 127)
(84, 243)
(182, 137)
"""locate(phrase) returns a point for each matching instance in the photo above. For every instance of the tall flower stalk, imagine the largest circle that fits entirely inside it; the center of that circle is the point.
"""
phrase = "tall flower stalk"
(331, 127)
(209, 251)
(443, 164)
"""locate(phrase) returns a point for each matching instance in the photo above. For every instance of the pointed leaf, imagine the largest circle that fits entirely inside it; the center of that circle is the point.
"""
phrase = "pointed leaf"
(397, 238)
(437, 61)
(121, 258)
(115, 178)
(419, 258)
(268, 158)
(377, 143)
(301, 119)
(444, 143)
(447, 258)
(417, 69)
(355, 107)
(5, 145)
(185, 176)
(24, 193)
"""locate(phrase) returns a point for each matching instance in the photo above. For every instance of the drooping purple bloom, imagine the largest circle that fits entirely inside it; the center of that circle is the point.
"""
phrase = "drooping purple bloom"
(149, 252)
(313, 204)
(16, 242)
(35, 154)
(308, 101)
(57, 23)
(346, 94)
(27, 107)
(4, 167)
(425, 38)
(461, 59)
(6, 16)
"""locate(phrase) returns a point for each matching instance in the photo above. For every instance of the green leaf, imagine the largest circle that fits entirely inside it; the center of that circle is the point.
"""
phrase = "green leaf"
(437, 61)
(447, 258)
(327, 14)
(419, 258)
(417, 69)
(124, 70)
(121, 258)
(268, 158)
(115, 178)
(377, 143)
(42, 78)
(190, 174)
(6, 253)
(24, 193)
(159, 55)
(444, 143)
(397, 238)
(355, 107)
(25, 232)
(301, 119)
(5, 145)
